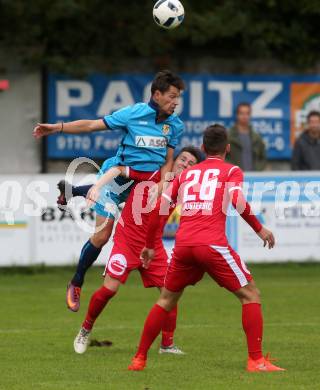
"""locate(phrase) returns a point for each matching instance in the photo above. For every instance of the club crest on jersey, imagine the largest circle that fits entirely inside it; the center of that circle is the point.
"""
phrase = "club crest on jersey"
(165, 129)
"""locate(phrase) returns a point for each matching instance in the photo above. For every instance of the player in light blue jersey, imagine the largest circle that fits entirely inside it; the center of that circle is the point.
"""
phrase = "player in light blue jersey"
(151, 131)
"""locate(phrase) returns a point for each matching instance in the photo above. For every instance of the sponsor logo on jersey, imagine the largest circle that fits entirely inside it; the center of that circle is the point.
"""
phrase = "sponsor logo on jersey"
(117, 264)
(165, 129)
(146, 141)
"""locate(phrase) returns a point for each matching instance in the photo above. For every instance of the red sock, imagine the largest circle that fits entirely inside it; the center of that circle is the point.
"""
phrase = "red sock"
(152, 327)
(97, 303)
(252, 323)
(169, 327)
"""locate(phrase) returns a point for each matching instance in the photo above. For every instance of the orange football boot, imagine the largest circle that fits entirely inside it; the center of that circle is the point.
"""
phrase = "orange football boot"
(262, 365)
(73, 297)
(138, 363)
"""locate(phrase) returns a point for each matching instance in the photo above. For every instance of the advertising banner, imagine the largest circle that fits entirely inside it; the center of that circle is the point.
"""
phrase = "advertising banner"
(279, 108)
(34, 231)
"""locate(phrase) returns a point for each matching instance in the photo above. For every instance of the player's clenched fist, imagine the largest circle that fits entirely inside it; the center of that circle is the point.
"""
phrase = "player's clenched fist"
(267, 237)
(43, 129)
(146, 256)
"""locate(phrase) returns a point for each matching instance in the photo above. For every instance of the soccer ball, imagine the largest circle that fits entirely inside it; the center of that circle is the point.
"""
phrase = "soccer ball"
(168, 13)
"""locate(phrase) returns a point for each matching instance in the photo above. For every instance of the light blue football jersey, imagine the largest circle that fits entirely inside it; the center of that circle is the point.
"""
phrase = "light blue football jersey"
(144, 143)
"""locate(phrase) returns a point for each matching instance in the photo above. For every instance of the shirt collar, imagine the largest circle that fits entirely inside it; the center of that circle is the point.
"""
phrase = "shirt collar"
(215, 158)
(155, 106)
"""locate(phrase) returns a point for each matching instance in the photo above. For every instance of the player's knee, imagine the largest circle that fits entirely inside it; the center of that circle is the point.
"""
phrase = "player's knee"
(168, 299)
(248, 294)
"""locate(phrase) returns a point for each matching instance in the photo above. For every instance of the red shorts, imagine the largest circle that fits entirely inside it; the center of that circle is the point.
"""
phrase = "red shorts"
(124, 259)
(189, 264)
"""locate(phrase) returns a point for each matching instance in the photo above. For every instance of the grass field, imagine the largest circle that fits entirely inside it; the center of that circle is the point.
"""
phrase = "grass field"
(37, 332)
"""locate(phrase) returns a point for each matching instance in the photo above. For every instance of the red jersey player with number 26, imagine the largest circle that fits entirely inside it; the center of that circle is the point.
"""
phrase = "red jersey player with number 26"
(204, 192)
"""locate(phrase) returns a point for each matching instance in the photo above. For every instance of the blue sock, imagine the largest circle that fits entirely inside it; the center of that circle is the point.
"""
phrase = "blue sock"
(88, 256)
(81, 190)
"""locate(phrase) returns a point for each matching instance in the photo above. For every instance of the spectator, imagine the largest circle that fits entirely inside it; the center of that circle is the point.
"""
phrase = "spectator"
(306, 151)
(248, 150)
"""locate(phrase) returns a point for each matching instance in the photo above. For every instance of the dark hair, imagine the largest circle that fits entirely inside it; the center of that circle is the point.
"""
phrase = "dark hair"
(215, 139)
(242, 104)
(164, 80)
(196, 152)
(313, 113)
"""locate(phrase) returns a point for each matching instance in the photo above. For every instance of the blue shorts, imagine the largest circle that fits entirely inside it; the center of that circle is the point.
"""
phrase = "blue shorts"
(112, 194)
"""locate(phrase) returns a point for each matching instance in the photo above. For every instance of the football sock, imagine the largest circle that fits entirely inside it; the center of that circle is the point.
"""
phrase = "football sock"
(152, 327)
(81, 190)
(88, 256)
(169, 327)
(97, 303)
(252, 323)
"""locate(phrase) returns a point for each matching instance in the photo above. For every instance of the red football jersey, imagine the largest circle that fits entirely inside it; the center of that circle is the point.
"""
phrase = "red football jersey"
(203, 193)
(133, 224)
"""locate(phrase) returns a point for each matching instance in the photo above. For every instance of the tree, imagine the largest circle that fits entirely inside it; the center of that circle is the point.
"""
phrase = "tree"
(80, 35)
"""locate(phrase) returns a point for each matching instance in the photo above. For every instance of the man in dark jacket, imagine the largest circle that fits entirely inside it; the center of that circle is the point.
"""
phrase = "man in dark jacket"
(306, 152)
(247, 147)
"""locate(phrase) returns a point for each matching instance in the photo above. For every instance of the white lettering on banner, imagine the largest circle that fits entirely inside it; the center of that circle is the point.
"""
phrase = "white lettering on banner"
(196, 99)
(64, 99)
(10, 199)
(117, 95)
(284, 200)
(76, 142)
(151, 142)
(267, 128)
(269, 91)
(33, 191)
(312, 191)
(101, 141)
(225, 90)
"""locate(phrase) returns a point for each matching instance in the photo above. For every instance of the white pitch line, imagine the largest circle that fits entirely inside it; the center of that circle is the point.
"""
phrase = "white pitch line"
(125, 327)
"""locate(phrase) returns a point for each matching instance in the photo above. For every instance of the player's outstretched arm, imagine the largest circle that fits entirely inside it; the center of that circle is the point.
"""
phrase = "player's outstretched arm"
(75, 127)
(112, 173)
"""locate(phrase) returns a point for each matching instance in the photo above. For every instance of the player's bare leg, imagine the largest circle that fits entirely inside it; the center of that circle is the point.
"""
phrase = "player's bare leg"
(153, 325)
(252, 322)
(88, 256)
(98, 301)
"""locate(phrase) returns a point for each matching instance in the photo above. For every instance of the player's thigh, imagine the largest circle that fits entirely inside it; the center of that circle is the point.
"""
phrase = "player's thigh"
(103, 230)
(182, 270)
(224, 265)
(122, 261)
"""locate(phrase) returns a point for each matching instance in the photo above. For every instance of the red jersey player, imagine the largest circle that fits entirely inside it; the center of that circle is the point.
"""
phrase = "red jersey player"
(129, 240)
(204, 192)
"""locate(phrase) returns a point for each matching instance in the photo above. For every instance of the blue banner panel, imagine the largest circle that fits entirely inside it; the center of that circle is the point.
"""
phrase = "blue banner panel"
(278, 108)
